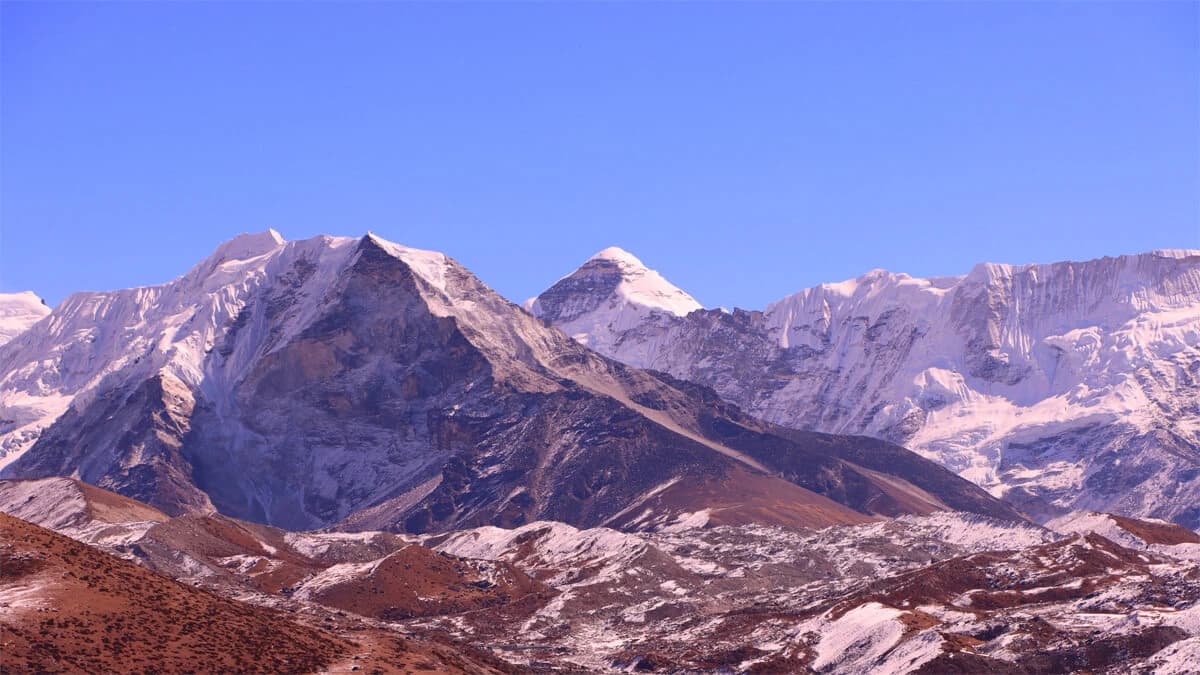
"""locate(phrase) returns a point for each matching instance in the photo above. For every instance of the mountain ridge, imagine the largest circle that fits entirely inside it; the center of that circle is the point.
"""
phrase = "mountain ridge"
(985, 372)
(303, 383)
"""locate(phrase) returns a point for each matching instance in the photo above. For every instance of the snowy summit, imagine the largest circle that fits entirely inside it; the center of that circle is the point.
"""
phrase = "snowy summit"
(611, 292)
(19, 311)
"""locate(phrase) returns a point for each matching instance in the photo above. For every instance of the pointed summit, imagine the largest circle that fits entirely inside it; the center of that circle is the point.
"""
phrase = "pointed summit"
(639, 284)
(248, 245)
(19, 311)
(618, 255)
(611, 291)
(429, 265)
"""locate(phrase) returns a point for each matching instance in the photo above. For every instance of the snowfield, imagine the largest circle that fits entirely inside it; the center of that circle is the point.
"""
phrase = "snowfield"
(1060, 386)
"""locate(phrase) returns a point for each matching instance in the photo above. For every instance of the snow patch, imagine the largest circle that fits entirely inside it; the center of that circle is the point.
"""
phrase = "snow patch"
(865, 639)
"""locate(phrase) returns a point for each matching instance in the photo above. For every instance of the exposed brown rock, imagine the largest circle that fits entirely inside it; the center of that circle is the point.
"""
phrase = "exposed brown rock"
(1157, 533)
(415, 582)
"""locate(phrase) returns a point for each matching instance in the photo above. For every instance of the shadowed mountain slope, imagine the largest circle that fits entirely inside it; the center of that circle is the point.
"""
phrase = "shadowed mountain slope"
(360, 382)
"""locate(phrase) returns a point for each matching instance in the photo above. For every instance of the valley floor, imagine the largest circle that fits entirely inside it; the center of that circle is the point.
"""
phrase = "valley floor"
(127, 589)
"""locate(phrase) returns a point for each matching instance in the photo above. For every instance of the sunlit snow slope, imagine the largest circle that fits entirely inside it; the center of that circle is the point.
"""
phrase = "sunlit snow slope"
(19, 311)
(1070, 385)
(611, 293)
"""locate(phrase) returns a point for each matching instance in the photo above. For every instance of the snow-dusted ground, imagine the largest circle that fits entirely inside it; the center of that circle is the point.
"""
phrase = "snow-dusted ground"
(884, 596)
(1181, 658)
(867, 639)
(1080, 522)
(59, 504)
(582, 556)
(31, 594)
(334, 575)
(805, 596)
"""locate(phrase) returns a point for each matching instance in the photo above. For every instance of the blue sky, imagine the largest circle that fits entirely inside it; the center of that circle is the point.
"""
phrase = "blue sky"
(744, 150)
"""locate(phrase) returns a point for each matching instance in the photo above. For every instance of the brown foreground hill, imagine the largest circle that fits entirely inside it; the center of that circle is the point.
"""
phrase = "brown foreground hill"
(68, 607)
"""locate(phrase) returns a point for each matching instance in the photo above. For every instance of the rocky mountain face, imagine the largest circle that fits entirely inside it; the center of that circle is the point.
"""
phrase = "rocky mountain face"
(945, 592)
(1060, 387)
(362, 383)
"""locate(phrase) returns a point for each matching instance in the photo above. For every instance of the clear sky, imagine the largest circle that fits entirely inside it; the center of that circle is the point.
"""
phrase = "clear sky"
(746, 150)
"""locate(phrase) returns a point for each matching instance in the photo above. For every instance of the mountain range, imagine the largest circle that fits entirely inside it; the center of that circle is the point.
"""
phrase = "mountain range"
(360, 448)
(358, 382)
(1057, 387)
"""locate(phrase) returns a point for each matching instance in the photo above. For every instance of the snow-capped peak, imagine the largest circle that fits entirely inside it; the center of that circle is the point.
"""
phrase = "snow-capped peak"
(1039, 375)
(249, 245)
(643, 286)
(627, 279)
(612, 291)
(19, 311)
(618, 255)
(429, 265)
